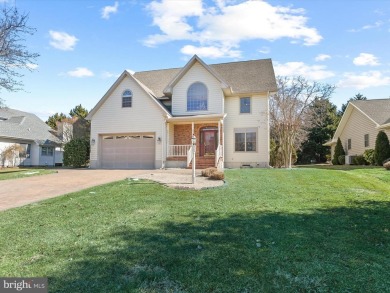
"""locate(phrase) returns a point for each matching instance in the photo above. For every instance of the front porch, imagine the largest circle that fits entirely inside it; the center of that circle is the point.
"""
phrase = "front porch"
(208, 130)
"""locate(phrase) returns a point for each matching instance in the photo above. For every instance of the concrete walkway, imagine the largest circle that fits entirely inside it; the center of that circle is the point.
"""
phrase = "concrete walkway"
(22, 191)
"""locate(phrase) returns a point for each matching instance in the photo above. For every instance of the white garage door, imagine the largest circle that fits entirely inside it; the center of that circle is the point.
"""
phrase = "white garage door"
(136, 151)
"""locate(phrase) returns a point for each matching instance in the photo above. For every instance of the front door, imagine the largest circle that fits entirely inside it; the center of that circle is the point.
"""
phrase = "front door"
(208, 142)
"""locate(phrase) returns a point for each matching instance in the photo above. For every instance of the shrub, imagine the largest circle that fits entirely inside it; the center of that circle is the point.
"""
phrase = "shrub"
(208, 171)
(369, 156)
(387, 165)
(217, 175)
(338, 151)
(359, 160)
(382, 148)
(341, 160)
(76, 152)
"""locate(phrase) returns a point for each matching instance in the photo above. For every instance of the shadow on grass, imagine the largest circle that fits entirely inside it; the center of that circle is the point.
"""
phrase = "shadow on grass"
(338, 250)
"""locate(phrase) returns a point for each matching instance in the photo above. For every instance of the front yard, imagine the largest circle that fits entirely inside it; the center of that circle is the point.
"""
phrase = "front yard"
(300, 230)
(13, 173)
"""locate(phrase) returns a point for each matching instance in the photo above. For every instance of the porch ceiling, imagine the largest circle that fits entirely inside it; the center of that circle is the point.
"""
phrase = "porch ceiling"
(198, 118)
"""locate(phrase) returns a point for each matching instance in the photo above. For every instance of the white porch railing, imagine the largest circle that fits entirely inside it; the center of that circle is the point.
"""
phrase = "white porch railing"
(178, 150)
(219, 157)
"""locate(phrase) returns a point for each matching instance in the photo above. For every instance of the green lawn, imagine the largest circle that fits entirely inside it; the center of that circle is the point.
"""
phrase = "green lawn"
(13, 173)
(266, 230)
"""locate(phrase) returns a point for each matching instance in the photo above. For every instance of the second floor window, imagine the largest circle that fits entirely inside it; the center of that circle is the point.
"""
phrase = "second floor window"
(197, 97)
(127, 99)
(245, 105)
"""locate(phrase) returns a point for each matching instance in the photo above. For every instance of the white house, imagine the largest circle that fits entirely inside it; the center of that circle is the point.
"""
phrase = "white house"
(35, 138)
(359, 126)
(146, 120)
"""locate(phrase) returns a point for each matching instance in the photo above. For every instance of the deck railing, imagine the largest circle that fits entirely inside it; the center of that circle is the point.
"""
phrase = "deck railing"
(178, 150)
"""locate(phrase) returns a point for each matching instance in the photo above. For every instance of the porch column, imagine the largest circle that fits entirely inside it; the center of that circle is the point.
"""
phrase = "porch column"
(167, 140)
(219, 132)
(223, 142)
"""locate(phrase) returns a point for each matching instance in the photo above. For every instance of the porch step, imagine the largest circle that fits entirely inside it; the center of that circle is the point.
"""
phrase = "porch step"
(203, 162)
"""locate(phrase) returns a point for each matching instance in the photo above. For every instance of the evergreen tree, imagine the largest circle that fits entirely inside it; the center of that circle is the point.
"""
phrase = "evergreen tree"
(324, 122)
(53, 119)
(78, 111)
(338, 151)
(382, 148)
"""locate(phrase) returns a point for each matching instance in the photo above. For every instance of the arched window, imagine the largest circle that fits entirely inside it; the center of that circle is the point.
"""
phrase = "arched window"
(197, 97)
(127, 98)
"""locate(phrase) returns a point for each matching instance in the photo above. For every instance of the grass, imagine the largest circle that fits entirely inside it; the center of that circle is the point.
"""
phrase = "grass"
(13, 173)
(300, 230)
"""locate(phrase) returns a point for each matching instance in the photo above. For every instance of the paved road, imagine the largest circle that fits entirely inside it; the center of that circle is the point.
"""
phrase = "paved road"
(22, 191)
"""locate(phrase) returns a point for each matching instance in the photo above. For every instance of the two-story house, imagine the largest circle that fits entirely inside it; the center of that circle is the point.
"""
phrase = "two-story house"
(146, 120)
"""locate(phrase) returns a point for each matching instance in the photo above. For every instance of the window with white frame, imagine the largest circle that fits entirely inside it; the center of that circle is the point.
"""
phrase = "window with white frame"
(245, 105)
(127, 99)
(47, 151)
(366, 140)
(245, 139)
(197, 97)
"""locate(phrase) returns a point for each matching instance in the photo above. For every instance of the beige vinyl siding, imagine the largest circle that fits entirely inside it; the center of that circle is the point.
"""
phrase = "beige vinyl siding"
(143, 117)
(258, 118)
(356, 127)
(197, 73)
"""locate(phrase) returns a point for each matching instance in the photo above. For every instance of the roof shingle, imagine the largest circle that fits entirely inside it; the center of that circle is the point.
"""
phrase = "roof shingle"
(378, 110)
(243, 77)
(26, 126)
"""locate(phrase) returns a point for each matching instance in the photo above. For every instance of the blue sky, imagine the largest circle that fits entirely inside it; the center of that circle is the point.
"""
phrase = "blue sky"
(84, 45)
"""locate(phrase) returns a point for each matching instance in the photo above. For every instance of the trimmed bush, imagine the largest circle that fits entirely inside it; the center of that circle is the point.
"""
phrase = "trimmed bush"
(387, 165)
(369, 156)
(382, 148)
(338, 151)
(341, 160)
(217, 175)
(76, 153)
(359, 160)
(208, 171)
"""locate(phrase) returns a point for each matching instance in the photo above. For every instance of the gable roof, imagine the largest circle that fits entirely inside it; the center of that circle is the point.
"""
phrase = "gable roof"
(254, 76)
(378, 111)
(125, 74)
(15, 124)
(184, 70)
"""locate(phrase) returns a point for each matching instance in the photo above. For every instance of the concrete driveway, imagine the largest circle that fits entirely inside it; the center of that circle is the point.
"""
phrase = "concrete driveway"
(19, 192)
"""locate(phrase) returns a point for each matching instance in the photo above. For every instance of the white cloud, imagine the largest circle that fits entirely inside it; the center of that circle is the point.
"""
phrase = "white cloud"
(366, 59)
(364, 80)
(210, 52)
(313, 72)
(265, 50)
(322, 57)
(377, 24)
(80, 72)
(62, 41)
(32, 66)
(212, 26)
(108, 10)
(107, 74)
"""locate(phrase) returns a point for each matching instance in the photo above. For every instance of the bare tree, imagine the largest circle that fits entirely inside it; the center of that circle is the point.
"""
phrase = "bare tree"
(14, 55)
(290, 112)
(10, 154)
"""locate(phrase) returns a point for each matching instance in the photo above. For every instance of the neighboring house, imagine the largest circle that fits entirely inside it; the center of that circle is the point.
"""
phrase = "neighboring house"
(359, 126)
(37, 143)
(74, 127)
(146, 119)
